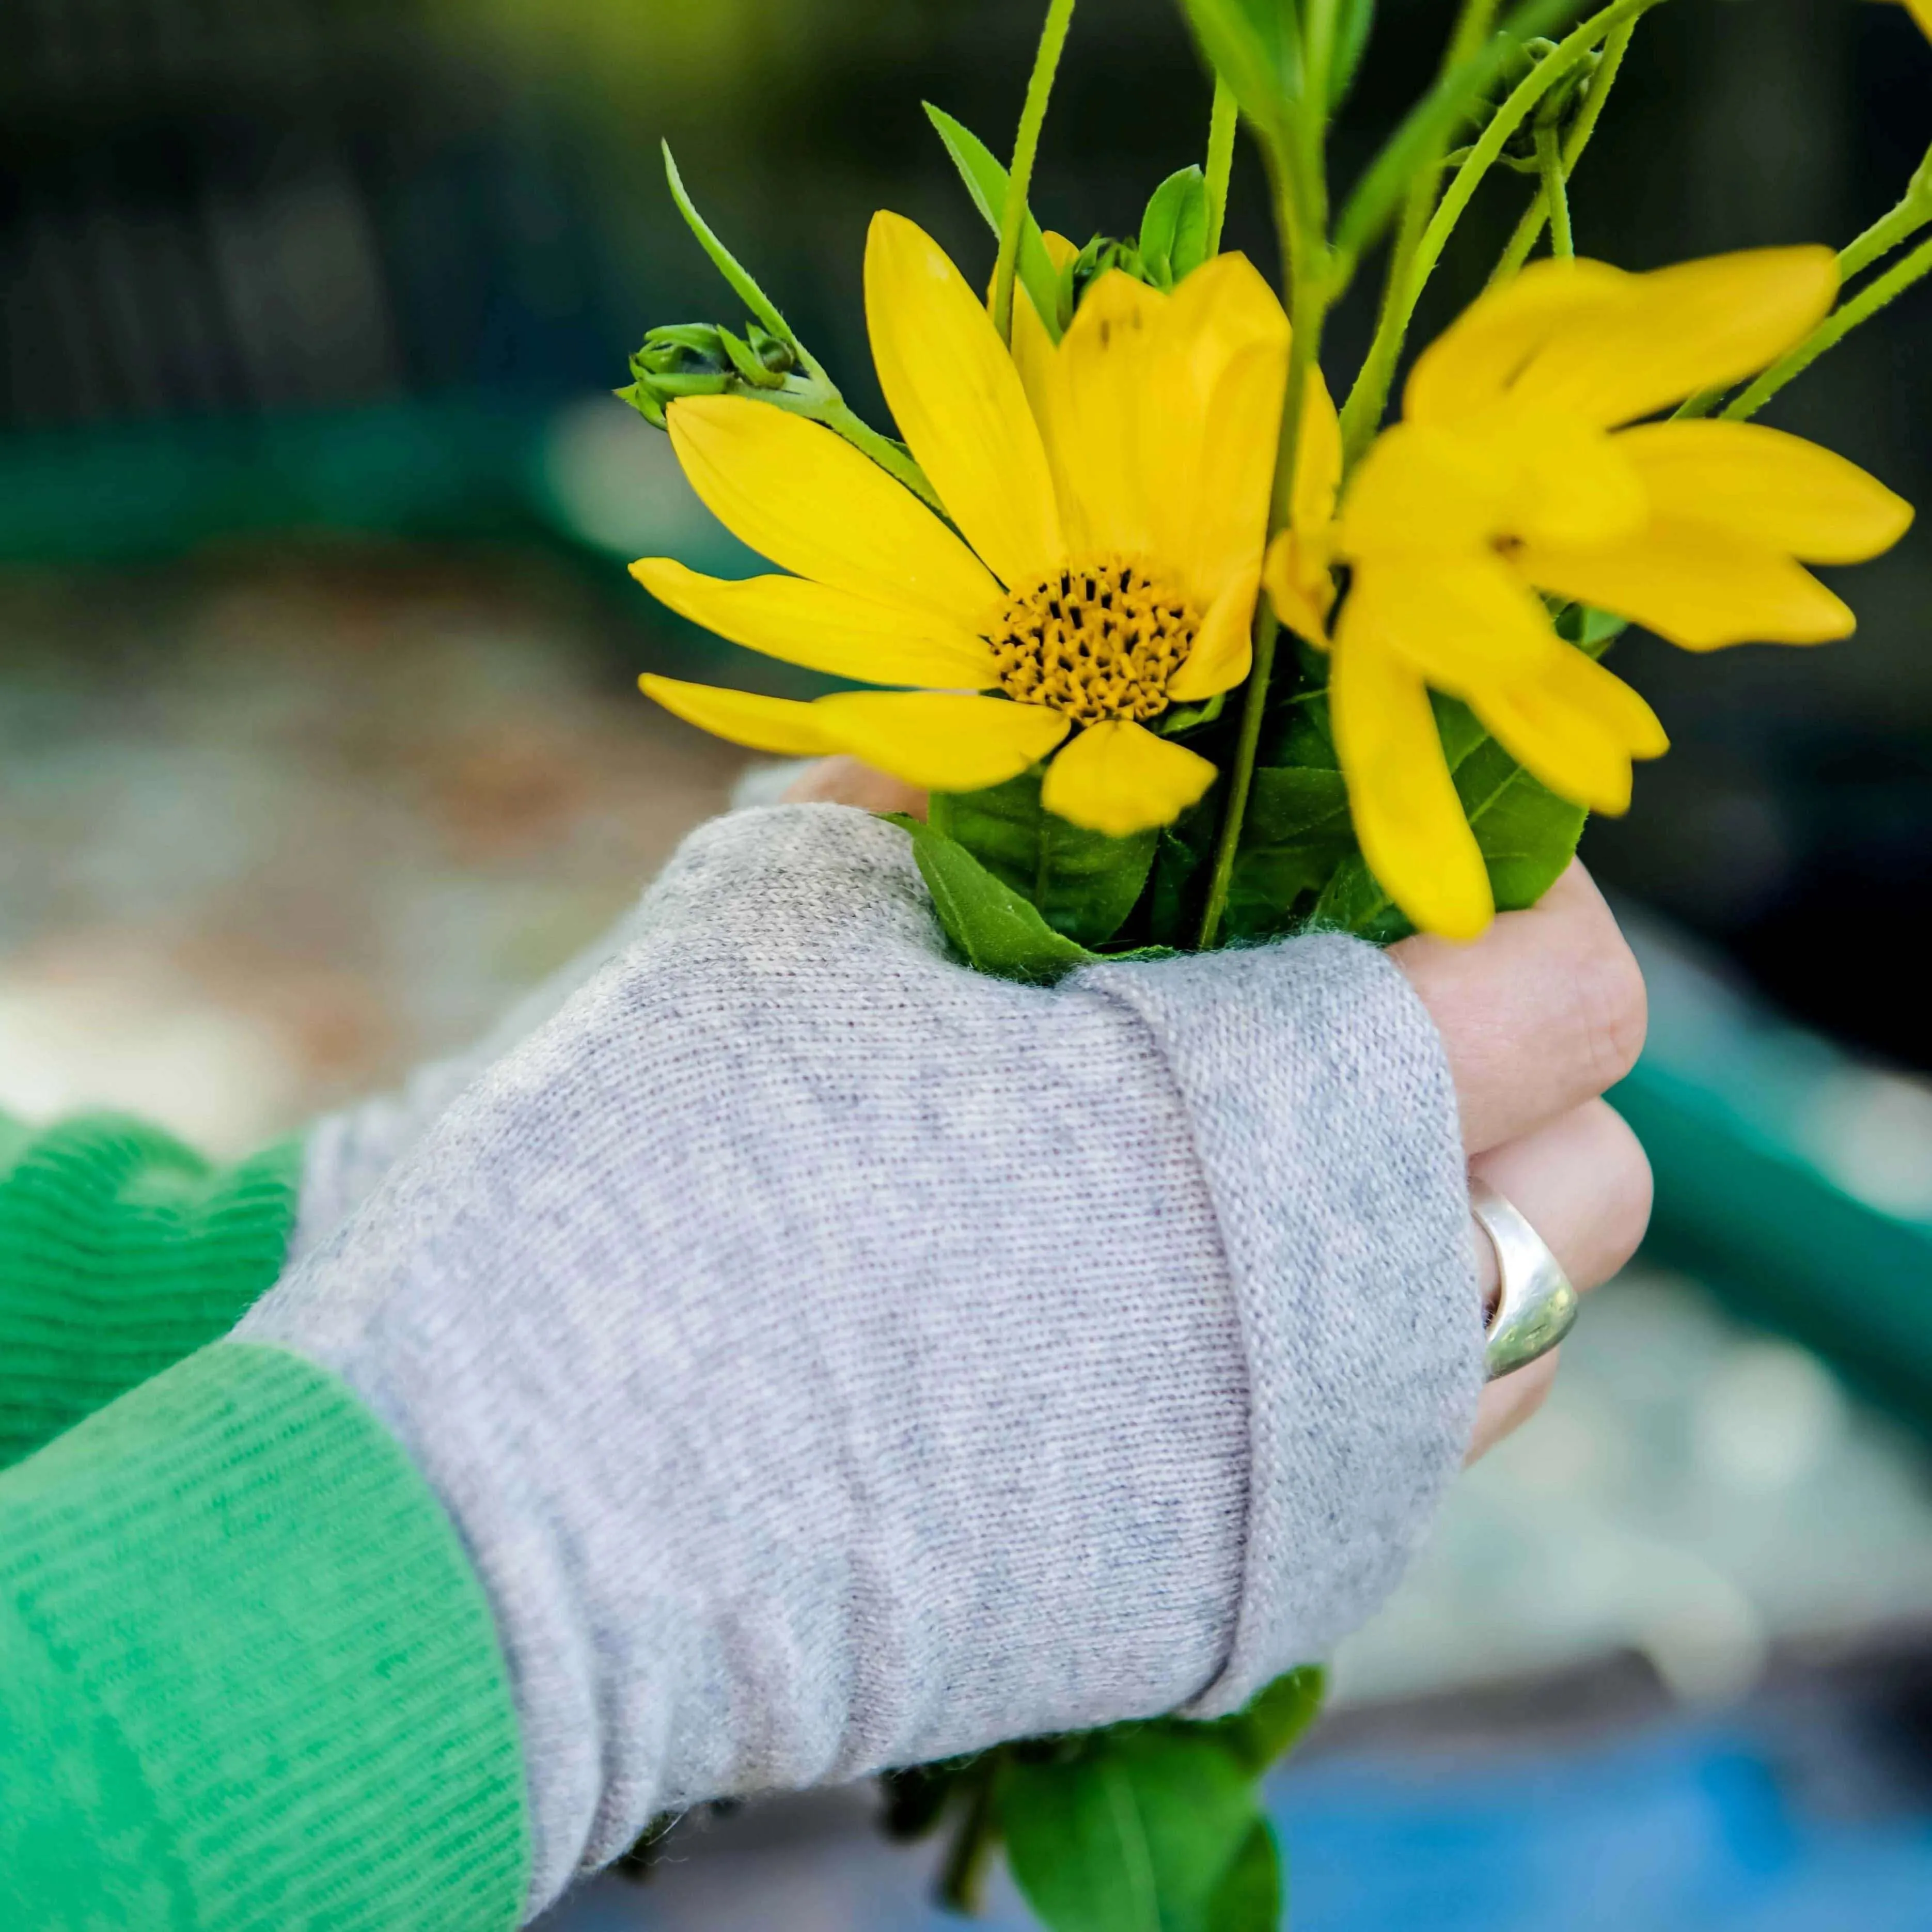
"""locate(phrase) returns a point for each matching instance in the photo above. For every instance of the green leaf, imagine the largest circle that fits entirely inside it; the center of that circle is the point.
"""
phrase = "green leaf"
(986, 179)
(1526, 833)
(1255, 46)
(727, 265)
(1353, 20)
(1174, 230)
(1084, 882)
(1248, 1898)
(1297, 832)
(1273, 1721)
(1134, 1832)
(998, 930)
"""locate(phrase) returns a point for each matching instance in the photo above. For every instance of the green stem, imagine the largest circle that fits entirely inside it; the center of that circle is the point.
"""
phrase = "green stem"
(1297, 171)
(891, 456)
(1026, 148)
(1836, 326)
(1362, 413)
(1555, 194)
(1222, 121)
(1425, 129)
(1899, 224)
(1514, 256)
(1311, 296)
(1508, 118)
(962, 1879)
(1911, 215)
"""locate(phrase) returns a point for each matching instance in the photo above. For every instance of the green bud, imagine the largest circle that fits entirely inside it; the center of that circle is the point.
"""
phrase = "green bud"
(1103, 252)
(1557, 108)
(700, 358)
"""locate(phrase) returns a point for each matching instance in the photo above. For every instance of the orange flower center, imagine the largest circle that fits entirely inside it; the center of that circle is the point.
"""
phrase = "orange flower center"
(1098, 639)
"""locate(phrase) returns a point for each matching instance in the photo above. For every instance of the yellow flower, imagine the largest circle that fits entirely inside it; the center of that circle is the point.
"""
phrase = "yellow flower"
(1108, 499)
(1512, 473)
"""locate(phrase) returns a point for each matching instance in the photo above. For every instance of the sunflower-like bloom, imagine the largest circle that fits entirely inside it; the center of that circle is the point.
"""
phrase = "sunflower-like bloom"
(1108, 499)
(1512, 472)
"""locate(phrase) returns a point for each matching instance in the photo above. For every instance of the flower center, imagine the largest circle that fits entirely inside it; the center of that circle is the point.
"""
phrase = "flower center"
(1098, 639)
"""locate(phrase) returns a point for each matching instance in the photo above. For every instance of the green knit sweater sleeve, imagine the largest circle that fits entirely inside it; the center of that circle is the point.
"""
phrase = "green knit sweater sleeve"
(121, 1251)
(247, 1676)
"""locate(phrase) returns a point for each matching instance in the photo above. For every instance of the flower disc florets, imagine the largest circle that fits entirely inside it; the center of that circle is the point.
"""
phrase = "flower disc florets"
(1097, 639)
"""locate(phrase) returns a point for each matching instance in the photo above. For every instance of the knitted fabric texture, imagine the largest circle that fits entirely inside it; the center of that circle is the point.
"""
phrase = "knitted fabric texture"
(121, 1251)
(833, 1358)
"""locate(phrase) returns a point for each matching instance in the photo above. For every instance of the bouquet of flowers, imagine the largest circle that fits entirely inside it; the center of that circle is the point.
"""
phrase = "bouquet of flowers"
(1185, 656)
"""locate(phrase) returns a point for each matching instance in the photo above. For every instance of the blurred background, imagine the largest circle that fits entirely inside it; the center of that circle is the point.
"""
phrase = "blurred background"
(318, 739)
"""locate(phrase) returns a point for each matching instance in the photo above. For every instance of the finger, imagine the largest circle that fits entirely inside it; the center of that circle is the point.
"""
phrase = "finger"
(844, 781)
(1583, 1183)
(1544, 1012)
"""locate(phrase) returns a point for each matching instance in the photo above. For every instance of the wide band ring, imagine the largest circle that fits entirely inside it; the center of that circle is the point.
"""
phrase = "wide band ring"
(1536, 1306)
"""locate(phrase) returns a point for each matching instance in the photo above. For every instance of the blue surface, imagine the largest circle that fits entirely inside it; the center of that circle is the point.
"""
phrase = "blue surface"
(1683, 1828)
(1679, 1831)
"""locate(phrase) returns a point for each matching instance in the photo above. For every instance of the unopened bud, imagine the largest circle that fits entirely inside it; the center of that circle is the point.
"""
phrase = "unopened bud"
(701, 358)
(1100, 255)
(1557, 108)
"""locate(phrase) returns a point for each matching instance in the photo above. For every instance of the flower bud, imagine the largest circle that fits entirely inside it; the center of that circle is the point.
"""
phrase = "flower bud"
(700, 358)
(1557, 108)
(1102, 254)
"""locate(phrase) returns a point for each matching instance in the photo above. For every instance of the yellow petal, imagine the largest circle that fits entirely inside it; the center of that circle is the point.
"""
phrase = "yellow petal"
(1221, 652)
(780, 725)
(1033, 357)
(1467, 369)
(1059, 250)
(1920, 10)
(1118, 778)
(824, 629)
(1422, 487)
(1677, 330)
(1318, 458)
(807, 500)
(1407, 818)
(1576, 728)
(956, 396)
(1300, 586)
(1763, 484)
(1213, 422)
(1696, 585)
(1459, 622)
(939, 742)
(1097, 394)
(1570, 483)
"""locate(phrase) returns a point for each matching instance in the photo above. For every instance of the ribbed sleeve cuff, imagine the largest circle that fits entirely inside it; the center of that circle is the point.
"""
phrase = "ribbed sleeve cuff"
(120, 1252)
(1339, 1186)
(251, 1670)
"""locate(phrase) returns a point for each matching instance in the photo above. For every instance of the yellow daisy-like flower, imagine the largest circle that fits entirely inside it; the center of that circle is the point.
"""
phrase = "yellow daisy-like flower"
(1109, 502)
(1512, 472)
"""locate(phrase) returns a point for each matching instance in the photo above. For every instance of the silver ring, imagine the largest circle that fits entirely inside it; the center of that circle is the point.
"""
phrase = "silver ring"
(1536, 1306)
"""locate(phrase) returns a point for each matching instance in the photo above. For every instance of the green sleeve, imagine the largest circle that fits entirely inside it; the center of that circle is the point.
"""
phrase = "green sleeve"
(121, 1252)
(247, 1677)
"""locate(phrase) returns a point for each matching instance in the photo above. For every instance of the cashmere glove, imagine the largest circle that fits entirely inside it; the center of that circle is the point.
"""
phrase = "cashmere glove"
(832, 1358)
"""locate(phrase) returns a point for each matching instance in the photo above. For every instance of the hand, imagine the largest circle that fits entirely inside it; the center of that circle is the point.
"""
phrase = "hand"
(1539, 1016)
(832, 1357)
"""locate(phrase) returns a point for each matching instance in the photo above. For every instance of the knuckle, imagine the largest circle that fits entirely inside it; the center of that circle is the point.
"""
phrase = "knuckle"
(1610, 1010)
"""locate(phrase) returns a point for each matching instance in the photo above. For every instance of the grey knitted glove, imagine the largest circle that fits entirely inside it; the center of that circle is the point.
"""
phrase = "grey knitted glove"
(346, 1154)
(834, 1359)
